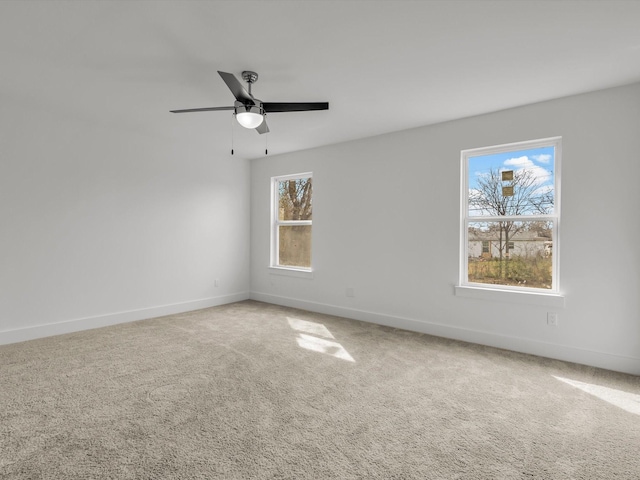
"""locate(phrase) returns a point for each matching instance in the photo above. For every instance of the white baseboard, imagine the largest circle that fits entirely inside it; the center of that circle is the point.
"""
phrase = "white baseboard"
(608, 361)
(76, 325)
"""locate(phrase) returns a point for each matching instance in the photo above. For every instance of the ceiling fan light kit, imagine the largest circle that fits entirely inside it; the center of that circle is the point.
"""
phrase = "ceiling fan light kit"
(249, 116)
(249, 111)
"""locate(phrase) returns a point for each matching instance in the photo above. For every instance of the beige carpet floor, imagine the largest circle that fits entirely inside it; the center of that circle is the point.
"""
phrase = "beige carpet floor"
(251, 390)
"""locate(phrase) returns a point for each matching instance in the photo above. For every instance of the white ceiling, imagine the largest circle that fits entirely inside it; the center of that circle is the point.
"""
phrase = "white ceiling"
(382, 65)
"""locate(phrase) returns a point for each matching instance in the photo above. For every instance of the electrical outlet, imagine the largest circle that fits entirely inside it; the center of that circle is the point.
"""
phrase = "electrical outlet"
(552, 319)
(216, 283)
(350, 292)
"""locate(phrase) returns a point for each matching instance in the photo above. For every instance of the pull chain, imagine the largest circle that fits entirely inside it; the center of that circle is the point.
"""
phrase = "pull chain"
(266, 137)
(232, 118)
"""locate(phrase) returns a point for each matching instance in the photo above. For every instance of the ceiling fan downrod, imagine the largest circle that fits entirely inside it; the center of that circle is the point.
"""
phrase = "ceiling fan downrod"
(249, 77)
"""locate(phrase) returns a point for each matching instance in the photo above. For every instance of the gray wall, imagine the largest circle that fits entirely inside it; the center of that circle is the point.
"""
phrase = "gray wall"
(108, 219)
(114, 217)
(386, 224)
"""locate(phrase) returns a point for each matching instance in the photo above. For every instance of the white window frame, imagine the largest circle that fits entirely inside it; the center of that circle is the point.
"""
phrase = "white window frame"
(276, 223)
(550, 297)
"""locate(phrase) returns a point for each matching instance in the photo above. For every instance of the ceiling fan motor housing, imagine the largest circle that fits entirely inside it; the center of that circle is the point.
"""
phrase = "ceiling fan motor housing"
(246, 107)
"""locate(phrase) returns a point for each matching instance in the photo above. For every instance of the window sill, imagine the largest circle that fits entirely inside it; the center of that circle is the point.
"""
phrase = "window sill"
(291, 272)
(511, 296)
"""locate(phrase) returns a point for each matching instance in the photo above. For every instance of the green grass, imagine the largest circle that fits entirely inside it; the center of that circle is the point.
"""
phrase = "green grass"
(534, 272)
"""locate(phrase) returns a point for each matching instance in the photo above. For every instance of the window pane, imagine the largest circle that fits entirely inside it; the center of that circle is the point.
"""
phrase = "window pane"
(294, 198)
(511, 253)
(295, 245)
(512, 183)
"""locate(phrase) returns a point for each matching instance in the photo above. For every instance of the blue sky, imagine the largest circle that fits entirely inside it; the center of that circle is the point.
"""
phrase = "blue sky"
(540, 161)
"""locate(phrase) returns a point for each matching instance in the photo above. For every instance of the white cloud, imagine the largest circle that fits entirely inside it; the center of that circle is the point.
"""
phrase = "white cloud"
(540, 174)
(521, 162)
(542, 158)
(543, 190)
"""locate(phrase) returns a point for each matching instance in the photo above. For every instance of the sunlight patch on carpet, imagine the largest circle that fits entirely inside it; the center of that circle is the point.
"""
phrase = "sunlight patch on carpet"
(311, 339)
(323, 346)
(627, 401)
(313, 328)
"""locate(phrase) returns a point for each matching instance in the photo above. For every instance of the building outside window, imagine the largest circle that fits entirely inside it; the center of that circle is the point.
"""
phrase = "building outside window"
(291, 221)
(510, 216)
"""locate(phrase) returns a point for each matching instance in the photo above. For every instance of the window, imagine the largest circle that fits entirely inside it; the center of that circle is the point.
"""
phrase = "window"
(510, 216)
(291, 221)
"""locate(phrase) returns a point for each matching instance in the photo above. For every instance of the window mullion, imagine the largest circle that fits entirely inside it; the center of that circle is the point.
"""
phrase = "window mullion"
(512, 218)
(294, 222)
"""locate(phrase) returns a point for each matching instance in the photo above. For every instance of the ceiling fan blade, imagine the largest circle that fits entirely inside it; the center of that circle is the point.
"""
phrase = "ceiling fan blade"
(207, 109)
(236, 88)
(262, 128)
(271, 107)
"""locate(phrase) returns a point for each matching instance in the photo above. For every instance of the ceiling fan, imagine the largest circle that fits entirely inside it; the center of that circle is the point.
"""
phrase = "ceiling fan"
(250, 111)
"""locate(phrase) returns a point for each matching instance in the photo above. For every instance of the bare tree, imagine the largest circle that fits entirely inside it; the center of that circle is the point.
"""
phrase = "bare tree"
(295, 204)
(521, 195)
(295, 199)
